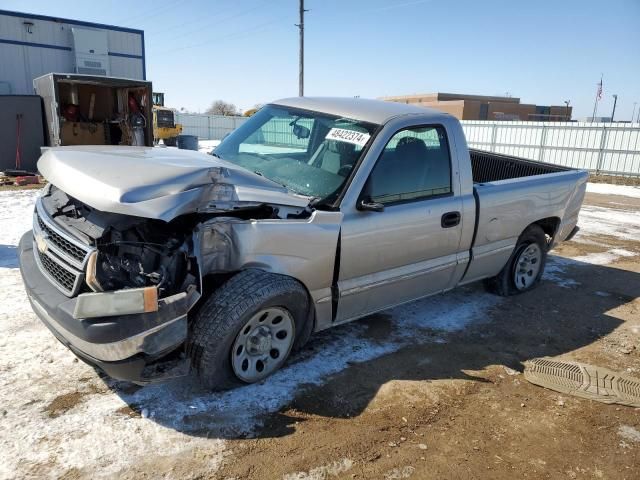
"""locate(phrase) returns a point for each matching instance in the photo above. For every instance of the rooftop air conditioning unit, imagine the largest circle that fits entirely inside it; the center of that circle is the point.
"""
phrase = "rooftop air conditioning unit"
(91, 51)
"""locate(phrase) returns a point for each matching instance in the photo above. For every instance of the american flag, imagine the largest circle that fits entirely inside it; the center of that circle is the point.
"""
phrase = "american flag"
(599, 94)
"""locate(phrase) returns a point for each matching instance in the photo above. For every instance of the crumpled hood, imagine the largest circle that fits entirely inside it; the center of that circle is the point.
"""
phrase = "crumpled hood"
(160, 183)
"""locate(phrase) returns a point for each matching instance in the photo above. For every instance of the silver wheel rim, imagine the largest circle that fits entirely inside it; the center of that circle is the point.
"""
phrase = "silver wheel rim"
(527, 266)
(263, 344)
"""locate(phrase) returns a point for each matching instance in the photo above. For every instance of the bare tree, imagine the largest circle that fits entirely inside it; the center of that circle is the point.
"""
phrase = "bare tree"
(220, 107)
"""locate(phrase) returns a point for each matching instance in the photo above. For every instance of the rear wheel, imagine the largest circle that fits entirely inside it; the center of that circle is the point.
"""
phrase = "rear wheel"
(525, 267)
(248, 327)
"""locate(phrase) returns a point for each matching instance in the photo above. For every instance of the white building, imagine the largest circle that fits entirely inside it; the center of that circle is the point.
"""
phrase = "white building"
(34, 45)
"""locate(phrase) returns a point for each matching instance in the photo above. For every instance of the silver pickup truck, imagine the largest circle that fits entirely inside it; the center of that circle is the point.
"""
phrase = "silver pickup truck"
(152, 262)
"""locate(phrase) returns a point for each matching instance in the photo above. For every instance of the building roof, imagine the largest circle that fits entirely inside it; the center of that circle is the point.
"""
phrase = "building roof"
(69, 21)
(373, 111)
(442, 96)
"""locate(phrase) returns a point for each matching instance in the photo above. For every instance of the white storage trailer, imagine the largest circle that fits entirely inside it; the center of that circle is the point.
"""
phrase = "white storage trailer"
(96, 110)
(35, 45)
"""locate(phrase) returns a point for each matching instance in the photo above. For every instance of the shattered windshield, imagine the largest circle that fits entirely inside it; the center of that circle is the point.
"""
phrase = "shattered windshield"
(310, 153)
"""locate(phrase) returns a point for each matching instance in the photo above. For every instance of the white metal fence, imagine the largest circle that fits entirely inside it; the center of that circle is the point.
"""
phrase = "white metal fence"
(208, 127)
(607, 148)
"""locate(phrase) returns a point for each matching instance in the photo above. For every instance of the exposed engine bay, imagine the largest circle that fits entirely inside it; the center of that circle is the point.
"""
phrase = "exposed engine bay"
(135, 252)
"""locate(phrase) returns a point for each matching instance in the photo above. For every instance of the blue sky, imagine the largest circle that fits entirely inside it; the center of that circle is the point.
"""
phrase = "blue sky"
(246, 51)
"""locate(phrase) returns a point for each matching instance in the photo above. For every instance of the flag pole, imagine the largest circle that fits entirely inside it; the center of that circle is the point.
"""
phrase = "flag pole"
(595, 103)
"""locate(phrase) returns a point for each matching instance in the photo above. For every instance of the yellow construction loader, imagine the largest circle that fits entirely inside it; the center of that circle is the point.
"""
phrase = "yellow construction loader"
(164, 122)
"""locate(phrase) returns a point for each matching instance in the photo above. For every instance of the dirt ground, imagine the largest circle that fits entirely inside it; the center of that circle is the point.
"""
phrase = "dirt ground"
(461, 408)
(444, 402)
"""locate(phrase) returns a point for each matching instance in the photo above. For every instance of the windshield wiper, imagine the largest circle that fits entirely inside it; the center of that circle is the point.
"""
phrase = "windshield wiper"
(271, 179)
(318, 202)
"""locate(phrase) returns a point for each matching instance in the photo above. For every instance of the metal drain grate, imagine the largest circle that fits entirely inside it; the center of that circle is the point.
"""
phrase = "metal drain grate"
(586, 381)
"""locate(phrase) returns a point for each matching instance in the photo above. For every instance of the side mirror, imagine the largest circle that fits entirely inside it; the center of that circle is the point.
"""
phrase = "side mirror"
(367, 205)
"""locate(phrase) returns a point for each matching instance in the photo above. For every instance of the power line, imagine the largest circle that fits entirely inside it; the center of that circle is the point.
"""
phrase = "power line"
(205, 18)
(400, 5)
(250, 30)
(210, 25)
(128, 21)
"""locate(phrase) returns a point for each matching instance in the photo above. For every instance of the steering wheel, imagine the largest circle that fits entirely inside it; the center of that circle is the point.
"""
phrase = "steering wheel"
(344, 170)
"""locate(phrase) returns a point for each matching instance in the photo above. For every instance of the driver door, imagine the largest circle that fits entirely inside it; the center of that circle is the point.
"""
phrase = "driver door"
(407, 250)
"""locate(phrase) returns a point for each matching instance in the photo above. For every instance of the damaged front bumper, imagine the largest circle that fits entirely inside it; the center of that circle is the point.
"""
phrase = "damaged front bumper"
(140, 348)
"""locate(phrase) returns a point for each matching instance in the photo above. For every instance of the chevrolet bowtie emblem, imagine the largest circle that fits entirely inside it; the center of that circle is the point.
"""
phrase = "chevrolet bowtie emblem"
(41, 242)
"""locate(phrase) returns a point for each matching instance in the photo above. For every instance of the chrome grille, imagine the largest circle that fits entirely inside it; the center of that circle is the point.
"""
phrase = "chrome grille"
(64, 245)
(61, 257)
(59, 274)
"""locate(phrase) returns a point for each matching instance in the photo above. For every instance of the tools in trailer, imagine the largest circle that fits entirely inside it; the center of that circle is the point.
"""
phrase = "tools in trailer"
(137, 122)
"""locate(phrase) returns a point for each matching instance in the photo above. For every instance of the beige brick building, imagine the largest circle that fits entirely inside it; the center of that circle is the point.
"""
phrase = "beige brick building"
(482, 107)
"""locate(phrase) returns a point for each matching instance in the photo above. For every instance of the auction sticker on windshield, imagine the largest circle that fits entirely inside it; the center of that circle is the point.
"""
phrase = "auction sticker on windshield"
(349, 136)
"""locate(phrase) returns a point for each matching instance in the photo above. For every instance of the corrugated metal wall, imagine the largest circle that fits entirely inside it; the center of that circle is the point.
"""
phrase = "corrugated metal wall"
(48, 48)
(208, 127)
(608, 148)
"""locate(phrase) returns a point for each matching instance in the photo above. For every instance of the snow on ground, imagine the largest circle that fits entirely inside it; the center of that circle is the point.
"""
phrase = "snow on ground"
(207, 146)
(619, 223)
(97, 433)
(598, 226)
(608, 189)
(36, 371)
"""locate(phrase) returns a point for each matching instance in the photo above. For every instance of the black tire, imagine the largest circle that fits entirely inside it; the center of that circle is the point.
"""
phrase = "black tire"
(229, 308)
(504, 284)
(171, 141)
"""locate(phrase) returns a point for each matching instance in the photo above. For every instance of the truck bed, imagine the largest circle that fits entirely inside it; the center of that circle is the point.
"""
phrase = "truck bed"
(511, 193)
(491, 167)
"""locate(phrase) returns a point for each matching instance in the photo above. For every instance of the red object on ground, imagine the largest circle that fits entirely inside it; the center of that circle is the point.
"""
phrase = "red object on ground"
(30, 180)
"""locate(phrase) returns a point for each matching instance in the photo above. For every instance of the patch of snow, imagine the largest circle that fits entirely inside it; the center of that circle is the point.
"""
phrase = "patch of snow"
(609, 189)
(399, 473)
(602, 294)
(629, 433)
(323, 472)
(240, 410)
(604, 258)
(554, 271)
(595, 221)
(207, 146)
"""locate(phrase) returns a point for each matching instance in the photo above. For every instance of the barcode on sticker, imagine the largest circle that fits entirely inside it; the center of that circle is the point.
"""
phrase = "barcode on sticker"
(349, 136)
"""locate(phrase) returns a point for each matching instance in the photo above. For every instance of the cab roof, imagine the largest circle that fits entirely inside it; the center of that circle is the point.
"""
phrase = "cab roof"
(363, 109)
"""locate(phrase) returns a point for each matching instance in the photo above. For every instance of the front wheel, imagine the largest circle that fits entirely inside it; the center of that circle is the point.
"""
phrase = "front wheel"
(525, 267)
(248, 327)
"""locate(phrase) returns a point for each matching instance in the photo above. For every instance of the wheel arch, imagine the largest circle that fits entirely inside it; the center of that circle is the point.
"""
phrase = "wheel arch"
(549, 226)
(214, 280)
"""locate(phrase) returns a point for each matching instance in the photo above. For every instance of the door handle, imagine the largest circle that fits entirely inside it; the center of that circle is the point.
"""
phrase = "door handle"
(450, 219)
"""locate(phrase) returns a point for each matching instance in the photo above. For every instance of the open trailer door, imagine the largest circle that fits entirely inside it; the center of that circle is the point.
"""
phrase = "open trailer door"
(96, 110)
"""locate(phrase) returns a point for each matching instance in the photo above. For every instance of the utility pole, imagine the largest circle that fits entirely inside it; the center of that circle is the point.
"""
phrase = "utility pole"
(615, 100)
(634, 111)
(301, 67)
(568, 117)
